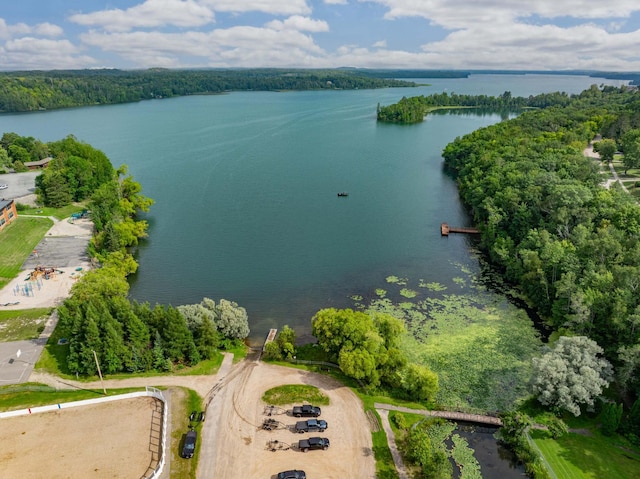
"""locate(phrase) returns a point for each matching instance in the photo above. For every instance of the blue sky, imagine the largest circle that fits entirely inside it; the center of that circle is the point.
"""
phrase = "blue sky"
(417, 34)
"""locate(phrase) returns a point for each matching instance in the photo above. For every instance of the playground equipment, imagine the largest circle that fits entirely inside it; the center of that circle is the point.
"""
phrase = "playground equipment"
(43, 272)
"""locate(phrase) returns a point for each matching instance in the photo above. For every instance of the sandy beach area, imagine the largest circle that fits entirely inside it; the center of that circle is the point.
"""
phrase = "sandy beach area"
(23, 293)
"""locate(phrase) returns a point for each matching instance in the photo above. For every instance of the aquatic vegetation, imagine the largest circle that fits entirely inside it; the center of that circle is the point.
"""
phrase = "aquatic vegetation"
(408, 293)
(381, 293)
(395, 280)
(356, 297)
(462, 454)
(479, 344)
(433, 286)
(460, 282)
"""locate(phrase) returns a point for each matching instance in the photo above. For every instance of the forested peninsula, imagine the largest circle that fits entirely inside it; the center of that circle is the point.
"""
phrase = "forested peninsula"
(46, 90)
(414, 109)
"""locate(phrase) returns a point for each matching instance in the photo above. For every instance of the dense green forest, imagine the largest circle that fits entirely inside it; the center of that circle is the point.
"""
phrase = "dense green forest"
(572, 246)
(39, 90)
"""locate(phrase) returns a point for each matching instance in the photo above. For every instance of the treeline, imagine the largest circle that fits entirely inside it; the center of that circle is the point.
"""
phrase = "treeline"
(414, 109)
(16, 150)
(572, 246)
(38, 90)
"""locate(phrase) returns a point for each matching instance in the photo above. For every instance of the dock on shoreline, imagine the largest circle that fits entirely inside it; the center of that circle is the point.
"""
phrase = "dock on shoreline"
(445, 229)
(270, 337)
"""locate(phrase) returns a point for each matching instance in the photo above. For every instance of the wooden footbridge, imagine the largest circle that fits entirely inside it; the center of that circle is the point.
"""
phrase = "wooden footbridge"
(451, 415)
(445, 229)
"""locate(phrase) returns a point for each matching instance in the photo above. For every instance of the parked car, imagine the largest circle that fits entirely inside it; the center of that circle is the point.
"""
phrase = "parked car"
(189, 447)
(313, 443)
(311, 425)
(306, 411)
(295, 474)
(4, 186)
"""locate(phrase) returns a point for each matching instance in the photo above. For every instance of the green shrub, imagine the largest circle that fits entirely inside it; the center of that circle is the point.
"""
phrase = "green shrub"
(399, 421)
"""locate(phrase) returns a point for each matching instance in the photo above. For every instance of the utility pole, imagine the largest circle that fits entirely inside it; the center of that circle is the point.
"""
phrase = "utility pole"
(95, 356)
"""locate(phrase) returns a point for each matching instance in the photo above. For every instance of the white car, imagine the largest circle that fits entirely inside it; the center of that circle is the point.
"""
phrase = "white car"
(4, 186)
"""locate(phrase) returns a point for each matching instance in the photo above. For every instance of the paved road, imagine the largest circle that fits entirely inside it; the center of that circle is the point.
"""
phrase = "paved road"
(17, 358)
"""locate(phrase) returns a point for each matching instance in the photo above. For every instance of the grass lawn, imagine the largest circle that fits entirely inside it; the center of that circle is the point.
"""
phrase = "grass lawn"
(17, 242)
(23, 324)
(59, 213)
(183, 401)
(20, 396)
(577, 456)
(295, 393)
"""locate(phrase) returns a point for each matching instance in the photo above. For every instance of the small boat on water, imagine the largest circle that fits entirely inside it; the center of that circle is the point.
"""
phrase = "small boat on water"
(343, 193)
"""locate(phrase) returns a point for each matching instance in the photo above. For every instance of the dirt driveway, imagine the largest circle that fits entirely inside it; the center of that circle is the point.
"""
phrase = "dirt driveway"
(235, 447)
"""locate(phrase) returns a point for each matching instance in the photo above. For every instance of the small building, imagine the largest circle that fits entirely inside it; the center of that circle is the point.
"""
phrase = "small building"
(8, 213)
(37, 165)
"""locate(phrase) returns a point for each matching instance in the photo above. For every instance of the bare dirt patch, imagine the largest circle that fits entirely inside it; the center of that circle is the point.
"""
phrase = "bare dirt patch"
(235, 445)
(115, 439)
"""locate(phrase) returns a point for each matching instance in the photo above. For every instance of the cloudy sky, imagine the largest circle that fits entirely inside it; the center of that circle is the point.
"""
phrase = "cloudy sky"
(421, 34)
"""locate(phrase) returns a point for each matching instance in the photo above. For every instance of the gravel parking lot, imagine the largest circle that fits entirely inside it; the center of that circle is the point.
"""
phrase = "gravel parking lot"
(236, 447)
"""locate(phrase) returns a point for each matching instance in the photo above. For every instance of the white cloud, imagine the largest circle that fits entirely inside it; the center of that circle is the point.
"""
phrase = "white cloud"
(336, 2)
(241, 46)
(38, 53)
(47, 30)
(461, 13)
(299, 23)
(10, 31)
(275, 7)
(149, 14)
(380, 44)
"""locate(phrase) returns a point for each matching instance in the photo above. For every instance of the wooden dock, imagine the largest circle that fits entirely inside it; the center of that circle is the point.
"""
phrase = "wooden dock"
(445, 229)
(270, 337)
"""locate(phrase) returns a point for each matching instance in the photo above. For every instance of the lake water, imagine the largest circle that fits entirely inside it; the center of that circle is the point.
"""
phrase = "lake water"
(246, 188)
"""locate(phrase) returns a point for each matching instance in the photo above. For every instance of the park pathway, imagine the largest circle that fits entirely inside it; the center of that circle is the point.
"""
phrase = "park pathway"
(201, 384)
(391, 441)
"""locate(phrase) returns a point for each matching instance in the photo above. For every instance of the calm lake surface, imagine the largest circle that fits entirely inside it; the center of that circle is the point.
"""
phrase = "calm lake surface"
(245, 188)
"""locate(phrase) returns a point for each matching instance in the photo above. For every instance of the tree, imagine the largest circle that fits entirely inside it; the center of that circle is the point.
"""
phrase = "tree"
(606, 148)
(630, 144)
(420, 382)
(571, 374)
(232, 320)
(610, 417)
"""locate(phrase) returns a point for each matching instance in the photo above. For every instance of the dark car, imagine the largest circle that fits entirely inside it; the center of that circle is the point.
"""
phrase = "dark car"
(306, 410)
(313, 443)
(311, 425)
(292, 475)
(189, 444)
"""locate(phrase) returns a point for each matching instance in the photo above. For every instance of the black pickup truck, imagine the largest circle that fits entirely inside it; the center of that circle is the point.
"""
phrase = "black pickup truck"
(306, 411)
(311, 425)
(313, 443)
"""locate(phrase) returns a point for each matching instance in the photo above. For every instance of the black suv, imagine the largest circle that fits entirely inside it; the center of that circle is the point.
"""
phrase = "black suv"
(313, 443)
(292, 475)
(189, 444)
